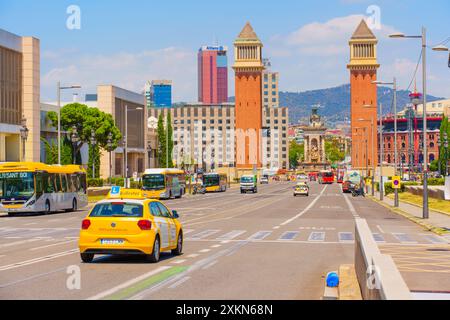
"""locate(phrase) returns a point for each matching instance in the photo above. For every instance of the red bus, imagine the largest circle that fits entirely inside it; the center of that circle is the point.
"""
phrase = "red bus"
(326, 177)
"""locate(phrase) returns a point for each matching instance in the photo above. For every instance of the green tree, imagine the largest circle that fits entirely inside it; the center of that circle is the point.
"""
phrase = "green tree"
(161, 142)
(86, 119)
(296, 153)
(51, 152)
(333, 151)
(445, 128)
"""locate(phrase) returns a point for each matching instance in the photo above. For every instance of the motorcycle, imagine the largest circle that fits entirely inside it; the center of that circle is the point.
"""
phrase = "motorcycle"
(356, 191)
(199, 190)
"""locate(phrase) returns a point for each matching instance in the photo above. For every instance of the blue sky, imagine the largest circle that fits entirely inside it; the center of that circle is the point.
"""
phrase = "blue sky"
(128, 42)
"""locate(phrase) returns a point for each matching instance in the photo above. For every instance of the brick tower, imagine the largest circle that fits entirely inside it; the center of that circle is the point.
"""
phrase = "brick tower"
(248, 67)
(363, 70)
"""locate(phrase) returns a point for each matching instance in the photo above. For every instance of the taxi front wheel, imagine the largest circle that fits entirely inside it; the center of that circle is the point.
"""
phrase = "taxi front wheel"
(87, 257)
(179, 249)
(154, 257)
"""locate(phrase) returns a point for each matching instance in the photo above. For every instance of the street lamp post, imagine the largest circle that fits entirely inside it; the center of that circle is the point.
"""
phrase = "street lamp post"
(381, 153)
(109, 147)
(93, 144)
(24, 135)
(423, 37)
(58, 94)
(74, 137)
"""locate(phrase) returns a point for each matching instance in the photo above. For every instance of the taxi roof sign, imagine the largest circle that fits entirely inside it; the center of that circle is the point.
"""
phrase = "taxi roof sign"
(122, 193)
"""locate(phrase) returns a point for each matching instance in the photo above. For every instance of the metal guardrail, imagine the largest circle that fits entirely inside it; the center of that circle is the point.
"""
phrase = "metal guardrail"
(377, 274)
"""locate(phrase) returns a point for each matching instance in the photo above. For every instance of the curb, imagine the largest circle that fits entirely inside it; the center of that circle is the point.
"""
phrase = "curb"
(429, 227)
(419, 206)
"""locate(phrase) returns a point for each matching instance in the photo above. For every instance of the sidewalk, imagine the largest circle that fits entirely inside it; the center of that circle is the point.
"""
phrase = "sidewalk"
(437, 222)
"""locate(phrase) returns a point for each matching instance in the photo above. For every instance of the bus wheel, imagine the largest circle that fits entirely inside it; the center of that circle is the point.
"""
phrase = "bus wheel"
(47, 207)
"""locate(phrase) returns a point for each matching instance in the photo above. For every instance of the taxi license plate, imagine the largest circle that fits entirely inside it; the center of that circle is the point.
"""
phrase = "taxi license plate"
(111, 241)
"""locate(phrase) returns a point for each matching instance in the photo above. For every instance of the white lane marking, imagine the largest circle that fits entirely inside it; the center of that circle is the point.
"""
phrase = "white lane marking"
(30, 224)
(209, 265)
(306, 209)
(225, 242)
(179, 282)
(37, 260)
(317, 236)
(216, 246)
(276, 227)
(351, 207)
(18, 242)
(52, 245)
(231, 235)
(380, 229)
(128, 283)
(179, 261)
(11, 238)
(205, 250)
(192, 255)
(289, 235)
(186, 231)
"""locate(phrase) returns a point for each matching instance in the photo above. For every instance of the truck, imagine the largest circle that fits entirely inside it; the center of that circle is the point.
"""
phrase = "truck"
(249, 183)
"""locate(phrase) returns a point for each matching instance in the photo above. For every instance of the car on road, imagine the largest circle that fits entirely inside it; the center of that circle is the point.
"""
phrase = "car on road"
(264, 180)
(249, 183)
(347, 186)
(127, 222)
(302, 189)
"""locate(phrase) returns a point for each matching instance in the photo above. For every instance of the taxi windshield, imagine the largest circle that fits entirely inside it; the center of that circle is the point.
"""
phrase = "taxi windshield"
(117, 209)
(153, 182)
(18, 185)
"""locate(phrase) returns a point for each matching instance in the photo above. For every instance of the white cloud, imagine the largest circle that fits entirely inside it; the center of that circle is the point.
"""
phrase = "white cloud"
(127, 70)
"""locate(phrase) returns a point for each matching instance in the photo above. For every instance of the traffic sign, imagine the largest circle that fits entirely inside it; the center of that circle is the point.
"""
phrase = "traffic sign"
(396, 182)
(115, 191)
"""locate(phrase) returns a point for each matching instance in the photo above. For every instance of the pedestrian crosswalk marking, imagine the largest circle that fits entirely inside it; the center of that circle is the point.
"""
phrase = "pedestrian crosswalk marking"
(317, 236)
(346, 236)
(378, 238)
(434, 239)
(289, 235)
(204, 234)
(231, 235)
(260, 235)
(403, 237)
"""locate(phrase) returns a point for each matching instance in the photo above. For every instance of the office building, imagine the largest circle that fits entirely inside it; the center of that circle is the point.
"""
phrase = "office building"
(212, 75)
(19, 97)
(158, 93)
(270, 86)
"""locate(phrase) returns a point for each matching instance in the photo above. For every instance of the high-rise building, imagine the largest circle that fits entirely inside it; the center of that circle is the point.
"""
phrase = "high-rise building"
(19, 97)
(248, 69)
(212, 74)
(270, 86)
(158, 93)
(363, 72)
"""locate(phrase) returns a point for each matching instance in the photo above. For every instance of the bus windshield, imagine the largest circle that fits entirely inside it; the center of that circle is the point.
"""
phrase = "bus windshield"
(327, 174)
(247, 179)
(210, 181)
(17, 185)
(153, 182)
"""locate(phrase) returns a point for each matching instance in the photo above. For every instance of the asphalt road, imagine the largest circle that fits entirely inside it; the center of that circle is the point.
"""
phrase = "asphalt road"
(268, 245)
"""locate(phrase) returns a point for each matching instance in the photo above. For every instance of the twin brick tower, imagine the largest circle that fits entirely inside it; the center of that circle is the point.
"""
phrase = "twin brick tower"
(248, 67)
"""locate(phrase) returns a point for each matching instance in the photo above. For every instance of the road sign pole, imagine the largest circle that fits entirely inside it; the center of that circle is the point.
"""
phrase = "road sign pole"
(396, 198)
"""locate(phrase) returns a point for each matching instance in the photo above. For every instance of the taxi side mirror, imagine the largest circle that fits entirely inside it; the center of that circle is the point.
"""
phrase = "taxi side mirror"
(175, 214)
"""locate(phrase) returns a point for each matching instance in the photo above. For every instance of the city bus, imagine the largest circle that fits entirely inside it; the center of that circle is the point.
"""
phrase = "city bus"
(215, 182)
(37, 187)
(326, 177)
(163, 183)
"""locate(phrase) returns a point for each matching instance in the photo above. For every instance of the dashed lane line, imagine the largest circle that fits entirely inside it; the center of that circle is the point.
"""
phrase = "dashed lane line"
(37, 260)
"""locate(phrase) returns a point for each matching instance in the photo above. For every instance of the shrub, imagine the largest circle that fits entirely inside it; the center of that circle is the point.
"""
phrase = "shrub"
(436, 181)
(95, 182)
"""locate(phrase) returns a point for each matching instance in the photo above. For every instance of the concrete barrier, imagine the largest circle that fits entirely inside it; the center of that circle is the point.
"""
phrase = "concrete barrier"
(377, 274)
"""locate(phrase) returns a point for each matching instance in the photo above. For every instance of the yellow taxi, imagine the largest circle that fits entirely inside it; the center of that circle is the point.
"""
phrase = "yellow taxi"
(301, 188)
(128, 223)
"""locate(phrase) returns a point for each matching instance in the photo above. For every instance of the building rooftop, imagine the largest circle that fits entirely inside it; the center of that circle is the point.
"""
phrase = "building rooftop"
(363, 31)
(248, 33)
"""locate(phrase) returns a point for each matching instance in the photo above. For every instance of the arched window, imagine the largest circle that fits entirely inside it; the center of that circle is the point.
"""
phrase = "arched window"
(431, 144)
(431, 157)
(421, 158)
(403, 145)
(403, 158)
(389, 158)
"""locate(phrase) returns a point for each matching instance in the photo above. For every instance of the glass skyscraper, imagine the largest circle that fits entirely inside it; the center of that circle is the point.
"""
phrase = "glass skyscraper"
(159, 93)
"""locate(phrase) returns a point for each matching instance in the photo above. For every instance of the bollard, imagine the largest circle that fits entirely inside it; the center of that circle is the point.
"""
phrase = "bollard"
(332, 279)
